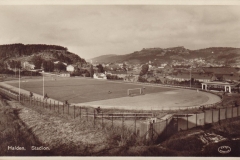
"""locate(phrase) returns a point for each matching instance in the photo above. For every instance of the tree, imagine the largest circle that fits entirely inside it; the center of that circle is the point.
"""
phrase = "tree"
(48, 66)
(37, 61)
(100, 68)
(91, 71)
(144, 69)
(60, 66)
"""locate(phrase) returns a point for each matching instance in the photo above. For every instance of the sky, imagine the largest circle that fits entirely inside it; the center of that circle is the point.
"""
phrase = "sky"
(94, 30)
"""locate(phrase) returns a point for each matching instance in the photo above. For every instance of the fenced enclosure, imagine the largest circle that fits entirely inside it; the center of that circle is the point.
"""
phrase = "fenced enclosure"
(122, 122)
(132, 122)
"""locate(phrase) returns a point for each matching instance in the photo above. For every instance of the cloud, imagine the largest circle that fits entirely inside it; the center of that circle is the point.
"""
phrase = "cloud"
(107, 29)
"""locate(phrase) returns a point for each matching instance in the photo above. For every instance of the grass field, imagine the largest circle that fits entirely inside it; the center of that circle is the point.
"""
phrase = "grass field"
(80, 90)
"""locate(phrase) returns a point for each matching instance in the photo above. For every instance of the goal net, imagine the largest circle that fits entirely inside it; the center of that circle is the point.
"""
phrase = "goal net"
(134, 91)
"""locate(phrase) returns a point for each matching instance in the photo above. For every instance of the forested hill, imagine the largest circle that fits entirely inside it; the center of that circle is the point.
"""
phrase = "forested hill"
(22, 52)
(225, 55)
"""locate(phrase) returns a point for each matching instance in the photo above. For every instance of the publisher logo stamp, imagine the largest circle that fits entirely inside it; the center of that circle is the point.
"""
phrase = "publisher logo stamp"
(224, 149)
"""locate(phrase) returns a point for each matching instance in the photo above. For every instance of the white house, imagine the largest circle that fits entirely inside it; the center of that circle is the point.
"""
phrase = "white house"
(70, 68)
(28, 65)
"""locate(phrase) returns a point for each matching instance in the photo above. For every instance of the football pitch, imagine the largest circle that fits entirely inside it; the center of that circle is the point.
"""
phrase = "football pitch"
(81, 90)
(114, 94)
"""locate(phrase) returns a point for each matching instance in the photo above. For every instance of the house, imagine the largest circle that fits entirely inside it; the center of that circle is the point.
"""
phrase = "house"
(99, 76)
(70, 68)
(28, 66)
(203, 77)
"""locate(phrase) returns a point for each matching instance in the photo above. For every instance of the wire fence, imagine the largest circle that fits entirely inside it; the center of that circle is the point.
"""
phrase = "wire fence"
(122, 122)
(128, 123)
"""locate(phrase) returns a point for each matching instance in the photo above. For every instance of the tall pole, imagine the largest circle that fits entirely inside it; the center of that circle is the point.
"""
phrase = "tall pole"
(19, 85)
(190, 77)
(43, 83)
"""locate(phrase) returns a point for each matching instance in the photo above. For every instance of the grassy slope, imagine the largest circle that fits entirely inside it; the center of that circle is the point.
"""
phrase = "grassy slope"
(181, 144)
(15, 133)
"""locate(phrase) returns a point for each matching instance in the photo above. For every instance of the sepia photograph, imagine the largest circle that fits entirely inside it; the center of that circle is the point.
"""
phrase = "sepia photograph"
(119, 79)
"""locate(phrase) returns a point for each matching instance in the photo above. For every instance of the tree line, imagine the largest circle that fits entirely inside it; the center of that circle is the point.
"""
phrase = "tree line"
(18, 50)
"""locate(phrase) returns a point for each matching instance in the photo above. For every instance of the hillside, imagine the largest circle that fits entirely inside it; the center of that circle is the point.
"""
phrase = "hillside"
(225, 55)
(21, 52)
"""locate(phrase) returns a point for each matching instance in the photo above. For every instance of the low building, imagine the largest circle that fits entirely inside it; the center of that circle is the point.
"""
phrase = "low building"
(99, 76)
(219, 86)
(201, 77)
(65, 74)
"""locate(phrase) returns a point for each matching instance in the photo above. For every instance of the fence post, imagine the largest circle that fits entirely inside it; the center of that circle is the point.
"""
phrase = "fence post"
(151, 126)
(68, 108)
(196, 119)
(37, 101)
(204, 117)
(112, 120)
(122, 125)
(94, 118)
(226, 112)
(87, 113)
(232, 111)
(50, 105)
(187, 121)
(166, 126)
(212, 115)
(74, 111)
(58, 106)
(219, 116)
(80, 112)
(54, 106)
(237, 111)
(63, 108)
(102, 119)
(135, 129)
(33, 101)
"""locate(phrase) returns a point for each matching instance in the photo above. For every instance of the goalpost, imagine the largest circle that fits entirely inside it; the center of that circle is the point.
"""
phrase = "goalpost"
(134, 91)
